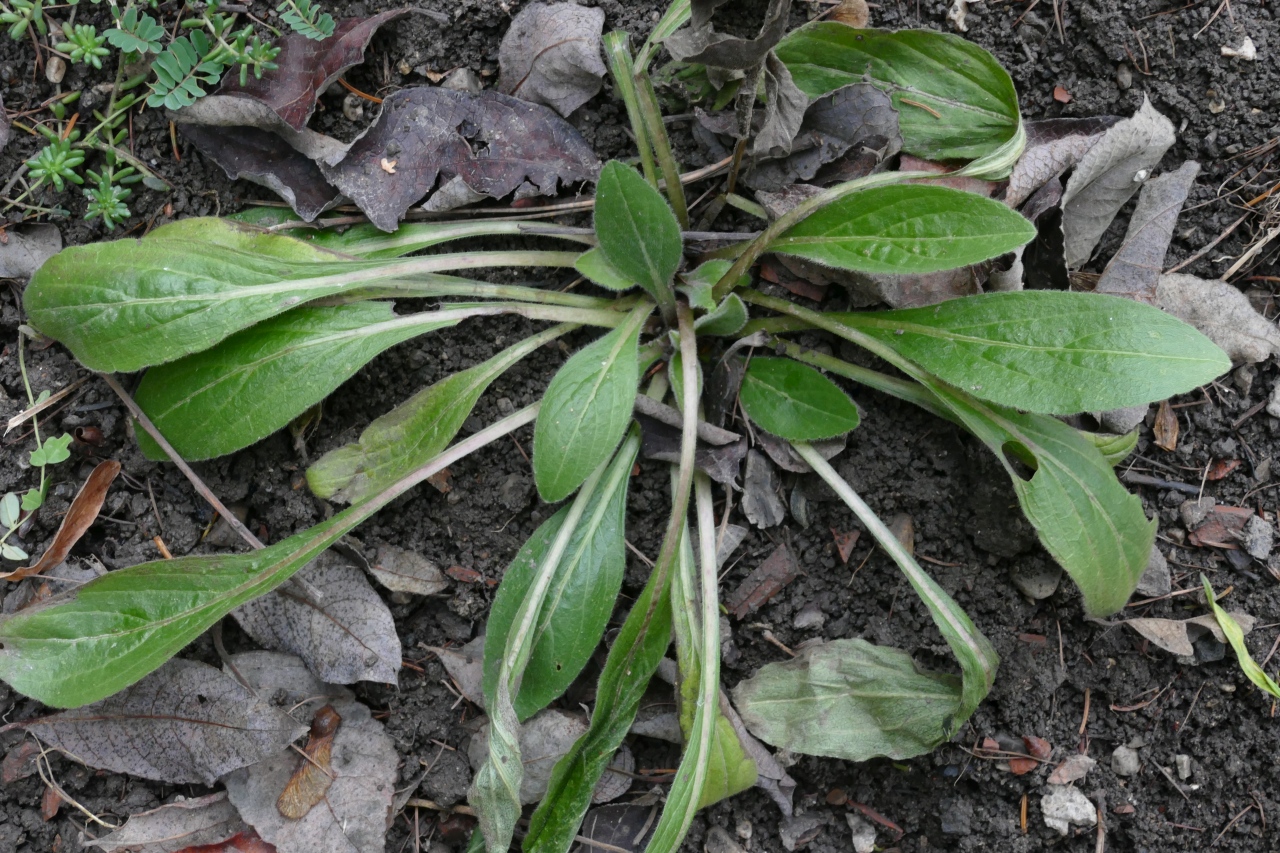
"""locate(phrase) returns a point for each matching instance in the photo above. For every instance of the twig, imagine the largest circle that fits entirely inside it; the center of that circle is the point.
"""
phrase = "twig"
(1233, 822)
(1084, 719)
(1206, 249)
(236, 524)
(40, 407)
(1182, 725)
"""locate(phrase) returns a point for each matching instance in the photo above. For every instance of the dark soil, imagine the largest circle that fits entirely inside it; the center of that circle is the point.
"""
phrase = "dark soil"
(1055, 663)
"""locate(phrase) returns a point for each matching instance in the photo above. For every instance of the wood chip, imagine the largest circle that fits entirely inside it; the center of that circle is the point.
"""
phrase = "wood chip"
(1166, 427)
(766, 581)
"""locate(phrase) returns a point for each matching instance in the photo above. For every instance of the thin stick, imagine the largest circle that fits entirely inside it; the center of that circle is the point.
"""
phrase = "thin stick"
(40, 407)
(236, 524)
(1084, 719)
(1204, 251)
(1233, 822)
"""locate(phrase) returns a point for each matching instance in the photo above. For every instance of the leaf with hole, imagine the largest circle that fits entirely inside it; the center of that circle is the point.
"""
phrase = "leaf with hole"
(794, 401)
(256, 381)
(1051, 352)
(906, 228)
(954, 100)
(586, 409)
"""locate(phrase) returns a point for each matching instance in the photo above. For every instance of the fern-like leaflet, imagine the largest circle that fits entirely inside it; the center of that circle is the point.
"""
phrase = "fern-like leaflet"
(306, 19)
(136, 33)
(182, 71)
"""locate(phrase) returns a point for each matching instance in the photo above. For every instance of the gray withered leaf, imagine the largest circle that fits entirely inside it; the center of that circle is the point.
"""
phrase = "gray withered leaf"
(26, 248)
(551, 55)
(1053, 146)
(701, 43)
(353, 815)
(784, 110)
(1108, 175)
(1134, 270)
(1222, 313)
(186, 722)
(427, 136)
(345, 635)
(173, 827)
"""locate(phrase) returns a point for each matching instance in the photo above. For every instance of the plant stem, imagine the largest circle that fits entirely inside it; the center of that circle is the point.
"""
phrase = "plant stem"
(31, 400)
(778, 227)
(621, 66)
(657, 132)
(673, 19)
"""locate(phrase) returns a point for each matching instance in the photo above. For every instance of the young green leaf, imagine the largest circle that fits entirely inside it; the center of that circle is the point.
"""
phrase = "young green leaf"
(1235, 636)
(586, 409)
(99, 638)
(415, 431)
(9, 511)
(52, 451)
(954, 100)
(906, 228)
(794, 401)
(1048, 351)
(253, 383)
(850, 699)
(581, 598)
(1114, 448)
(638, 233)
(593, 265)
(632, 660)
(728, 318)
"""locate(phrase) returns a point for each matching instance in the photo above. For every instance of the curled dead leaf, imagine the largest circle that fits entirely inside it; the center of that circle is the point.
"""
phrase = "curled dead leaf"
(1166, 427)
(551, 55)
(80, 516)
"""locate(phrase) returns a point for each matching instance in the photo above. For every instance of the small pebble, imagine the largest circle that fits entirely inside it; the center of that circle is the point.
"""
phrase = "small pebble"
(864, 833)
(1124, 77)
(55, 69)
(1065, 806)
(1259, 536)
(810, 617)
(1183, 763)
(353, 107)
(1124, 761)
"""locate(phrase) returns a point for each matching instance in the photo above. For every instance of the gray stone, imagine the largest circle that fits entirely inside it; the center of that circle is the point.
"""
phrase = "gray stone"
(810, 617)
(1064, 806)
(1259, 536)
(1183, 763)
(1195, 511)
(864, 834)
(1036, 579)
(799, 830)
(1125, 761)
(1273, 405)
(957, 817)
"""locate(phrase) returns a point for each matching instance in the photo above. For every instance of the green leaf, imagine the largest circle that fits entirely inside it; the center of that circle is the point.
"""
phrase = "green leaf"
(129, 304)
(700, 283)
(593, 265)
(10, 509)
(632, 660)
(906, 228)
(33, 499)
(794, 401)
(850, 699)
(954, 100)
(586, 409)
(87, 643)
(638, 233)
(52, 451)
(415, 431)
(1114, 448)
(12, 552)
(1051, 352)
(1084, 517)
(581, 599)
(1235, 636)
(253, 383)
(727, 319)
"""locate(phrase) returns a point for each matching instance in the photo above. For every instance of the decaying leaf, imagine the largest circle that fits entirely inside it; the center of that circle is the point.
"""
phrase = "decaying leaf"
(285, 680)
(25, 248)
(1134, 270)
(1053, 146)
(784, 110)
(1177, 635)
(268, 160)
(1108, 175)
(1222, 313)
(186, 722)
(305, 68)
(849, 120)
(1166, 427)
(401, 570)
(174, 827)
(494, 143)
(544, 739)
(701, 43)
(760, 501)
(771, 776)
(845, 543)
(719, 462)
(765, 581)
(345, 636)
(356, 807)
(551, 55)
(309, 783)
(1073, 769)
(80, 516)
(465, 666)
(782, 454)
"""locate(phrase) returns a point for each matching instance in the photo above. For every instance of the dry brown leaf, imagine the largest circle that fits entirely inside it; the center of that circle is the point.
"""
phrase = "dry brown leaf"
(1222, 527)
(186, 722)
(50, 803)
(765, 581)
(309, 783)
(853, 13)
(180, 826)
(845, 543)
(1177, 635)
(1166, 427)
(80, 516)
(1076, 767)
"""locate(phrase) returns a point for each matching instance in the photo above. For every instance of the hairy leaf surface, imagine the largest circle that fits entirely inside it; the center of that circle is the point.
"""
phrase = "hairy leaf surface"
(639, 235)
(794, 401)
